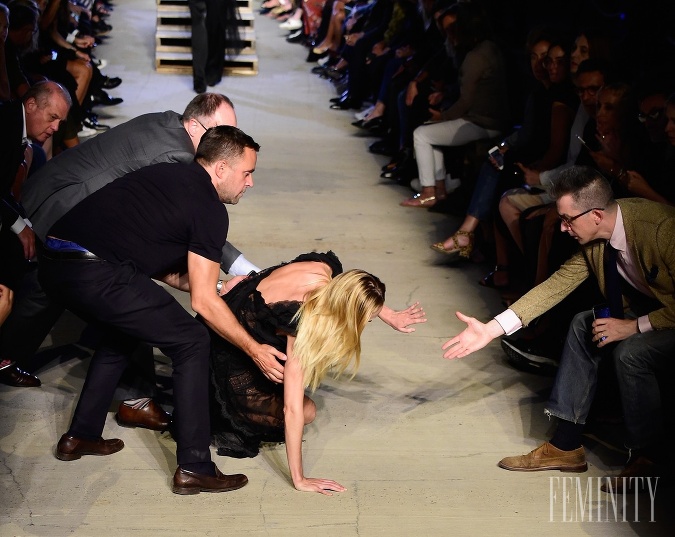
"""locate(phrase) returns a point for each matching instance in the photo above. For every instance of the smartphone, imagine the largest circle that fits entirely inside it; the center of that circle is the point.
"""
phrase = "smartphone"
(496, 154)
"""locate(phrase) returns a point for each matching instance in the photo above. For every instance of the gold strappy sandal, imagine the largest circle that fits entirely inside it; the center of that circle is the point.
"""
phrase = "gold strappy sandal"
(457, 251)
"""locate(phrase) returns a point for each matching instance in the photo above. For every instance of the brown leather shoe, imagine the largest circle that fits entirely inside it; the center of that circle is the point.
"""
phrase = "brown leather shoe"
(628, 480)
(185, 482)
(149, 415)
(13, 376)
(547, 457)
(70, 448)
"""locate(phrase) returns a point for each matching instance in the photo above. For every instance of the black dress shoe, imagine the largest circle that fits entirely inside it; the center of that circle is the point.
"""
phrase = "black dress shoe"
(13, 376)
(530, 356)
(102, 98)
(346, 104)
(185, 482)
(338, 98)
(381, 147)
(71, 448)
(111, 82)
(92, 123)
(296, 37)
(148, 415)
(377, 123)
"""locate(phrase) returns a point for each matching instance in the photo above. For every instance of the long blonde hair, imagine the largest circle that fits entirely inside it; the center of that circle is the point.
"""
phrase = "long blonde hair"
(330, 323)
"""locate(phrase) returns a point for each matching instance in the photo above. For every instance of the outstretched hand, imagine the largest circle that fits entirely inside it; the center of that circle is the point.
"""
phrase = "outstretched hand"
(322, 486)
(474, 337)
(401, 320)
(267, 359)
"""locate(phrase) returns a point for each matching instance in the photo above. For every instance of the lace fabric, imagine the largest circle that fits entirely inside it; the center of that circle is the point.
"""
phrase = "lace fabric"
(246, 407)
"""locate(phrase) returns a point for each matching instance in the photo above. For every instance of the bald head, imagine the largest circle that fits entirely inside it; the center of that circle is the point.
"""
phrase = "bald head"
(205, 111)
(47, 104)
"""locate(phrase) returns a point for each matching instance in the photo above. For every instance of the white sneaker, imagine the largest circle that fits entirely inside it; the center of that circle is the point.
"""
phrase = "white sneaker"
(451, 184)
(85, 132)
(291, 24)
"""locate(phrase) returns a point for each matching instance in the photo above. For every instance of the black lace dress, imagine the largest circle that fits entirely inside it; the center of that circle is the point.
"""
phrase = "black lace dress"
(246, 407)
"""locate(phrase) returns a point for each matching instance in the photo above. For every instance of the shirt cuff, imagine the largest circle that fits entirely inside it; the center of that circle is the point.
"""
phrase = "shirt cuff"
(19, 225)
(509, 322)
(241, 267)
(644, 324)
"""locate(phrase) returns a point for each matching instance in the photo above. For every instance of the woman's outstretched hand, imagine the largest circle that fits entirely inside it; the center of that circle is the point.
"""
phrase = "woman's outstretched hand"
(322, 486)
(474, 337)
(401, 320)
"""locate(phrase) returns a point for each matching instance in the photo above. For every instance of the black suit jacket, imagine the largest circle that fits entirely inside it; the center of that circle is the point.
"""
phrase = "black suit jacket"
(11, 155)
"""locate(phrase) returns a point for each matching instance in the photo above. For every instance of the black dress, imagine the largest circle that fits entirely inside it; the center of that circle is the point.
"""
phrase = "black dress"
(246, 407)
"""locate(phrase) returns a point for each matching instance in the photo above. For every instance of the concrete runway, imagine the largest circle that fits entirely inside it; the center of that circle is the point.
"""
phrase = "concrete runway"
(414, 438)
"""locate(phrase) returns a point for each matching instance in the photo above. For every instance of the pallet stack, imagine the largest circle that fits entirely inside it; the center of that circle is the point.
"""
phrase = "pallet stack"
(173, 51)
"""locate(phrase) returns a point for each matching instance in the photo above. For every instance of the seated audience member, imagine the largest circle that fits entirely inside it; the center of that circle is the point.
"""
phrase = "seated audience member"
(430, 81)
(627, 245)
(37, 115)
(526, 144)
(591, 76)
(358, 45)
(480, 112)
(562, 111)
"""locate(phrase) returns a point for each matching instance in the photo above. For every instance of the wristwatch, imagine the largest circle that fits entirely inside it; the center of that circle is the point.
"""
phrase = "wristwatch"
(219, 286)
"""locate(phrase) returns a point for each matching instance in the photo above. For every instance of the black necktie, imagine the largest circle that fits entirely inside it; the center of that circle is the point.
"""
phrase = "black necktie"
(612, 282)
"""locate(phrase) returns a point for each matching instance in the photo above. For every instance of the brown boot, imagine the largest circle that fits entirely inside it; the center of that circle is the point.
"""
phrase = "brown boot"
(547, 457)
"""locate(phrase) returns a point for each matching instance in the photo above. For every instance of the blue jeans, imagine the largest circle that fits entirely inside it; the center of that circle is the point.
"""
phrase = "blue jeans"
(638, 360)
(483, 196)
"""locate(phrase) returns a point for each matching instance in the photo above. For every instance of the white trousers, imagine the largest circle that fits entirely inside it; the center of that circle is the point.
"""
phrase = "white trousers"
(430, 139)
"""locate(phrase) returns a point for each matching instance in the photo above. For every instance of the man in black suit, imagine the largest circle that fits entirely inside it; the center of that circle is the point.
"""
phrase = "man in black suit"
(32, 120)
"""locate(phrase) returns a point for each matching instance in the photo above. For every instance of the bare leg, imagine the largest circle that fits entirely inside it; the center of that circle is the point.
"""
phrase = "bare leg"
(511, 216)
(82, 74)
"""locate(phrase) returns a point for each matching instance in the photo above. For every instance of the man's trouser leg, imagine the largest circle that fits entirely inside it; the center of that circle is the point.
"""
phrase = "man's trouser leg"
(128, 302)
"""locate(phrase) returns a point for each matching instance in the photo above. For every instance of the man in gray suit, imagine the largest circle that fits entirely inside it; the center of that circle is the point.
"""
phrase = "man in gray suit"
(75, 174)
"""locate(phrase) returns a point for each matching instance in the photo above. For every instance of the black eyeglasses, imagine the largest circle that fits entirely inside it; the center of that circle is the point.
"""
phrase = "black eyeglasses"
(203, 127)
(650, 116)
(567, 220)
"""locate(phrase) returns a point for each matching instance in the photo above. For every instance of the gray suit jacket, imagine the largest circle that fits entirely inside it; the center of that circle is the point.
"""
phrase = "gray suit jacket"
(78, 172)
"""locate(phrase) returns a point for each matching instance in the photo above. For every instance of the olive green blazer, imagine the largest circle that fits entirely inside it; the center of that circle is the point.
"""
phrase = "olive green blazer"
(650, 235)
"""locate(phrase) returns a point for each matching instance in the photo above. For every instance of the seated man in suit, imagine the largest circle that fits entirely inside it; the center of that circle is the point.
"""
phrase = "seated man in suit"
(628, 245)
(31, 120)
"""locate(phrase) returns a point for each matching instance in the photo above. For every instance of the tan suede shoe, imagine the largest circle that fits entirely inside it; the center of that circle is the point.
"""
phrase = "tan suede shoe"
(547, 457)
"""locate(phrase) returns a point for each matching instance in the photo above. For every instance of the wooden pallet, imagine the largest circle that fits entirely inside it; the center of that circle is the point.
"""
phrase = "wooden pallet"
(173, 40)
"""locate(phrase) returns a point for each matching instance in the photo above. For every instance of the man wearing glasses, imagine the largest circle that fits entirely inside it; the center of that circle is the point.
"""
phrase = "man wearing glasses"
(628, 246)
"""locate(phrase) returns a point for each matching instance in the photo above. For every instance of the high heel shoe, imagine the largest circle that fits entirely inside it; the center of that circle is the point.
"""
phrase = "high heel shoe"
(376, 123)
(456, 251)
(489, 280)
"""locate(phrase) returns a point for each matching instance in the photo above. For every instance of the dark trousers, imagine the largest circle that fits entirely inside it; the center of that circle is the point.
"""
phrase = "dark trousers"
(200, 44)
(129, 307)
(33, 316)
(639, 361)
